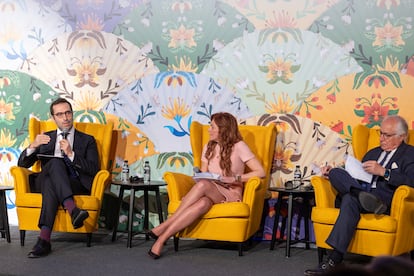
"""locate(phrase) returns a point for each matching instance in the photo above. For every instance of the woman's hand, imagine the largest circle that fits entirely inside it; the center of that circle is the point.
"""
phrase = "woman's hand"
(227, 179)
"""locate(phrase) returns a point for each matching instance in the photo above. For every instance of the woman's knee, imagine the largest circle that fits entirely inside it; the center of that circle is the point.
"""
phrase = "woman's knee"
(204, 204)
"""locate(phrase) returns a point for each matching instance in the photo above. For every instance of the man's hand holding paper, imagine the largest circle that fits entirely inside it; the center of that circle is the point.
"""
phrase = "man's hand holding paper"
(358, 170)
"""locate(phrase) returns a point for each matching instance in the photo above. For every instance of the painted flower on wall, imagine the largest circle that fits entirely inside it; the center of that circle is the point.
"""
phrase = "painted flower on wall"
(177, 110)
(375, 109)
(87, 72)
(182, 38)
(9, 105)
(388, 36)
(282, 159)
(279, 69)
(282, 104)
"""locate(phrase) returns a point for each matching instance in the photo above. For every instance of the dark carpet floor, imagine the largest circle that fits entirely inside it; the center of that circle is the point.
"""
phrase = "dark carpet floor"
(70, 256)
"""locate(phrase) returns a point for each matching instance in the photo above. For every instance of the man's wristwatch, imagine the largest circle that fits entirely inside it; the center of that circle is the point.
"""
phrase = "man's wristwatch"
(387, 174)
(238, 178)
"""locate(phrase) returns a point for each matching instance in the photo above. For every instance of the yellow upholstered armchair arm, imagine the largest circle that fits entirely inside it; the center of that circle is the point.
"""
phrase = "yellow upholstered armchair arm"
(253, 195)
(178, 185)
(21, 177)
(252, 191)
(402, 210)
(99, 183)
(325, 194)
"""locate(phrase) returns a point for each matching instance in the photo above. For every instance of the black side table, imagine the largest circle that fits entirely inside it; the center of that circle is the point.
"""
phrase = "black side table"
(307, 194)
(4, 218)
(133, 187)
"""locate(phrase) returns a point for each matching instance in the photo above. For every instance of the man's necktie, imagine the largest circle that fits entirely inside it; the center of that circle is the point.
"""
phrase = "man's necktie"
(73, 173)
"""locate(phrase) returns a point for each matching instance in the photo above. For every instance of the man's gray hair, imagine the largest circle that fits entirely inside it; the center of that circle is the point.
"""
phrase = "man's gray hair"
(402, 126)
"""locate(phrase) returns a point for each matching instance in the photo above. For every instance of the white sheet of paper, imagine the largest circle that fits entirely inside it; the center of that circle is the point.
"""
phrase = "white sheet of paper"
(206, 175)
(354, 167)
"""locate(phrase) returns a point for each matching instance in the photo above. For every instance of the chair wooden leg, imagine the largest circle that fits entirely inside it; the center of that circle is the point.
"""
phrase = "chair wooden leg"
(22, 237)
(176, 239)
(240, 245)
(88, 239)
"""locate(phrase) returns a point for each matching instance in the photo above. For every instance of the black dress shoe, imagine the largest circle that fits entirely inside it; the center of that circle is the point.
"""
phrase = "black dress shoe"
(152, 235)
(78, 216)
(41, 249)
(153, 255)
(371, 203)
(322, 268)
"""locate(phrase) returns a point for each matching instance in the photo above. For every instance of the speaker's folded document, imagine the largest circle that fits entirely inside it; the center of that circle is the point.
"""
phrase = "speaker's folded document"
(354, 167)
(206, 175)
(48, 156)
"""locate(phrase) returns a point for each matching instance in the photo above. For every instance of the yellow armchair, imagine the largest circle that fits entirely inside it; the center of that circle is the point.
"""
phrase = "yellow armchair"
(28, 205)
(234, 221)
(376, 234)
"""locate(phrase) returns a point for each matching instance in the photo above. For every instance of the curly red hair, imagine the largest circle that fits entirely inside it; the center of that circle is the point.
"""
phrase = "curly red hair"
(229, 135)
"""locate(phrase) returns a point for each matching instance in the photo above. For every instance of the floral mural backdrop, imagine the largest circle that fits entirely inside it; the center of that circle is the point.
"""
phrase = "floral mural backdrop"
(314, 68)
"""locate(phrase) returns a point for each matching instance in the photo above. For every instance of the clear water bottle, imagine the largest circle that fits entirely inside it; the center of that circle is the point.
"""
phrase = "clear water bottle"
(147, 172)
(125, 171)
(297, 176)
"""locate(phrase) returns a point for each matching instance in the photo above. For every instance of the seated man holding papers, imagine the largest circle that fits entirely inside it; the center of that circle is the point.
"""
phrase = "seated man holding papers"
(383, 169)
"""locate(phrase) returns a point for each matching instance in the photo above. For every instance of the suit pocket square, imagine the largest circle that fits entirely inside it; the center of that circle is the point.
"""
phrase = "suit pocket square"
(394, 165)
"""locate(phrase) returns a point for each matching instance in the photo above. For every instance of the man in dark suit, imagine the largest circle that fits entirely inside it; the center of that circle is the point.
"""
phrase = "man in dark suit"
(60, 178)
(391, 164)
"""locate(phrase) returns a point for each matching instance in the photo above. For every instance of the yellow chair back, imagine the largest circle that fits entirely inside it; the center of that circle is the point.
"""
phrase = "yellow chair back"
(364, 139)
(99, 131)
(263, 148)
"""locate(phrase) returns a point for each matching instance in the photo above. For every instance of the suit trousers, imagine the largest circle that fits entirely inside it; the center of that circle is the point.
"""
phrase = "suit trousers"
(349, 209)
(56, 185)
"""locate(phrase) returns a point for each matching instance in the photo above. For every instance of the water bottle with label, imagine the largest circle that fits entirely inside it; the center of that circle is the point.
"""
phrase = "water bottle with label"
(297, 176)
(147, 172)
(125, 171)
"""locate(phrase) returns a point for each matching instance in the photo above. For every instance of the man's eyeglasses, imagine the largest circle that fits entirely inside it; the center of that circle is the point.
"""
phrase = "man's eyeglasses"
(61, 114)
(386, 135)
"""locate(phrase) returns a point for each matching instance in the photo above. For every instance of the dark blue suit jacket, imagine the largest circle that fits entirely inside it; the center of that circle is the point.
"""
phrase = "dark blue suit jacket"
(401, 165)
(86, 159)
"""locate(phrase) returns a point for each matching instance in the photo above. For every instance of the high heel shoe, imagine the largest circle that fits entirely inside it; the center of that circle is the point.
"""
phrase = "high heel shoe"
(152, 235)
(153, 255)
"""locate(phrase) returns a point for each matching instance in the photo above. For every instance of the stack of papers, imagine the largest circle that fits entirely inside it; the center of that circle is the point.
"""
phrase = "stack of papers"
(206, 175)
(354, 167)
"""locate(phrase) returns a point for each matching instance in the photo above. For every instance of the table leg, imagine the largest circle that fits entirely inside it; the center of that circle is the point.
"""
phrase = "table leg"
(146, 214)
(278, 206)
(5, 217)
(306, 218)
(159, 207)
(289, 224)
(131, 216)
(115, 224)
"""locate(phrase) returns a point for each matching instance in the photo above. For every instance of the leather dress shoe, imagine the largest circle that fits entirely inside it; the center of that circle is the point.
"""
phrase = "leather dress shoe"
(41, 249)
(371, 203)
(322, 268)
(78, 216)
(153, 255)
